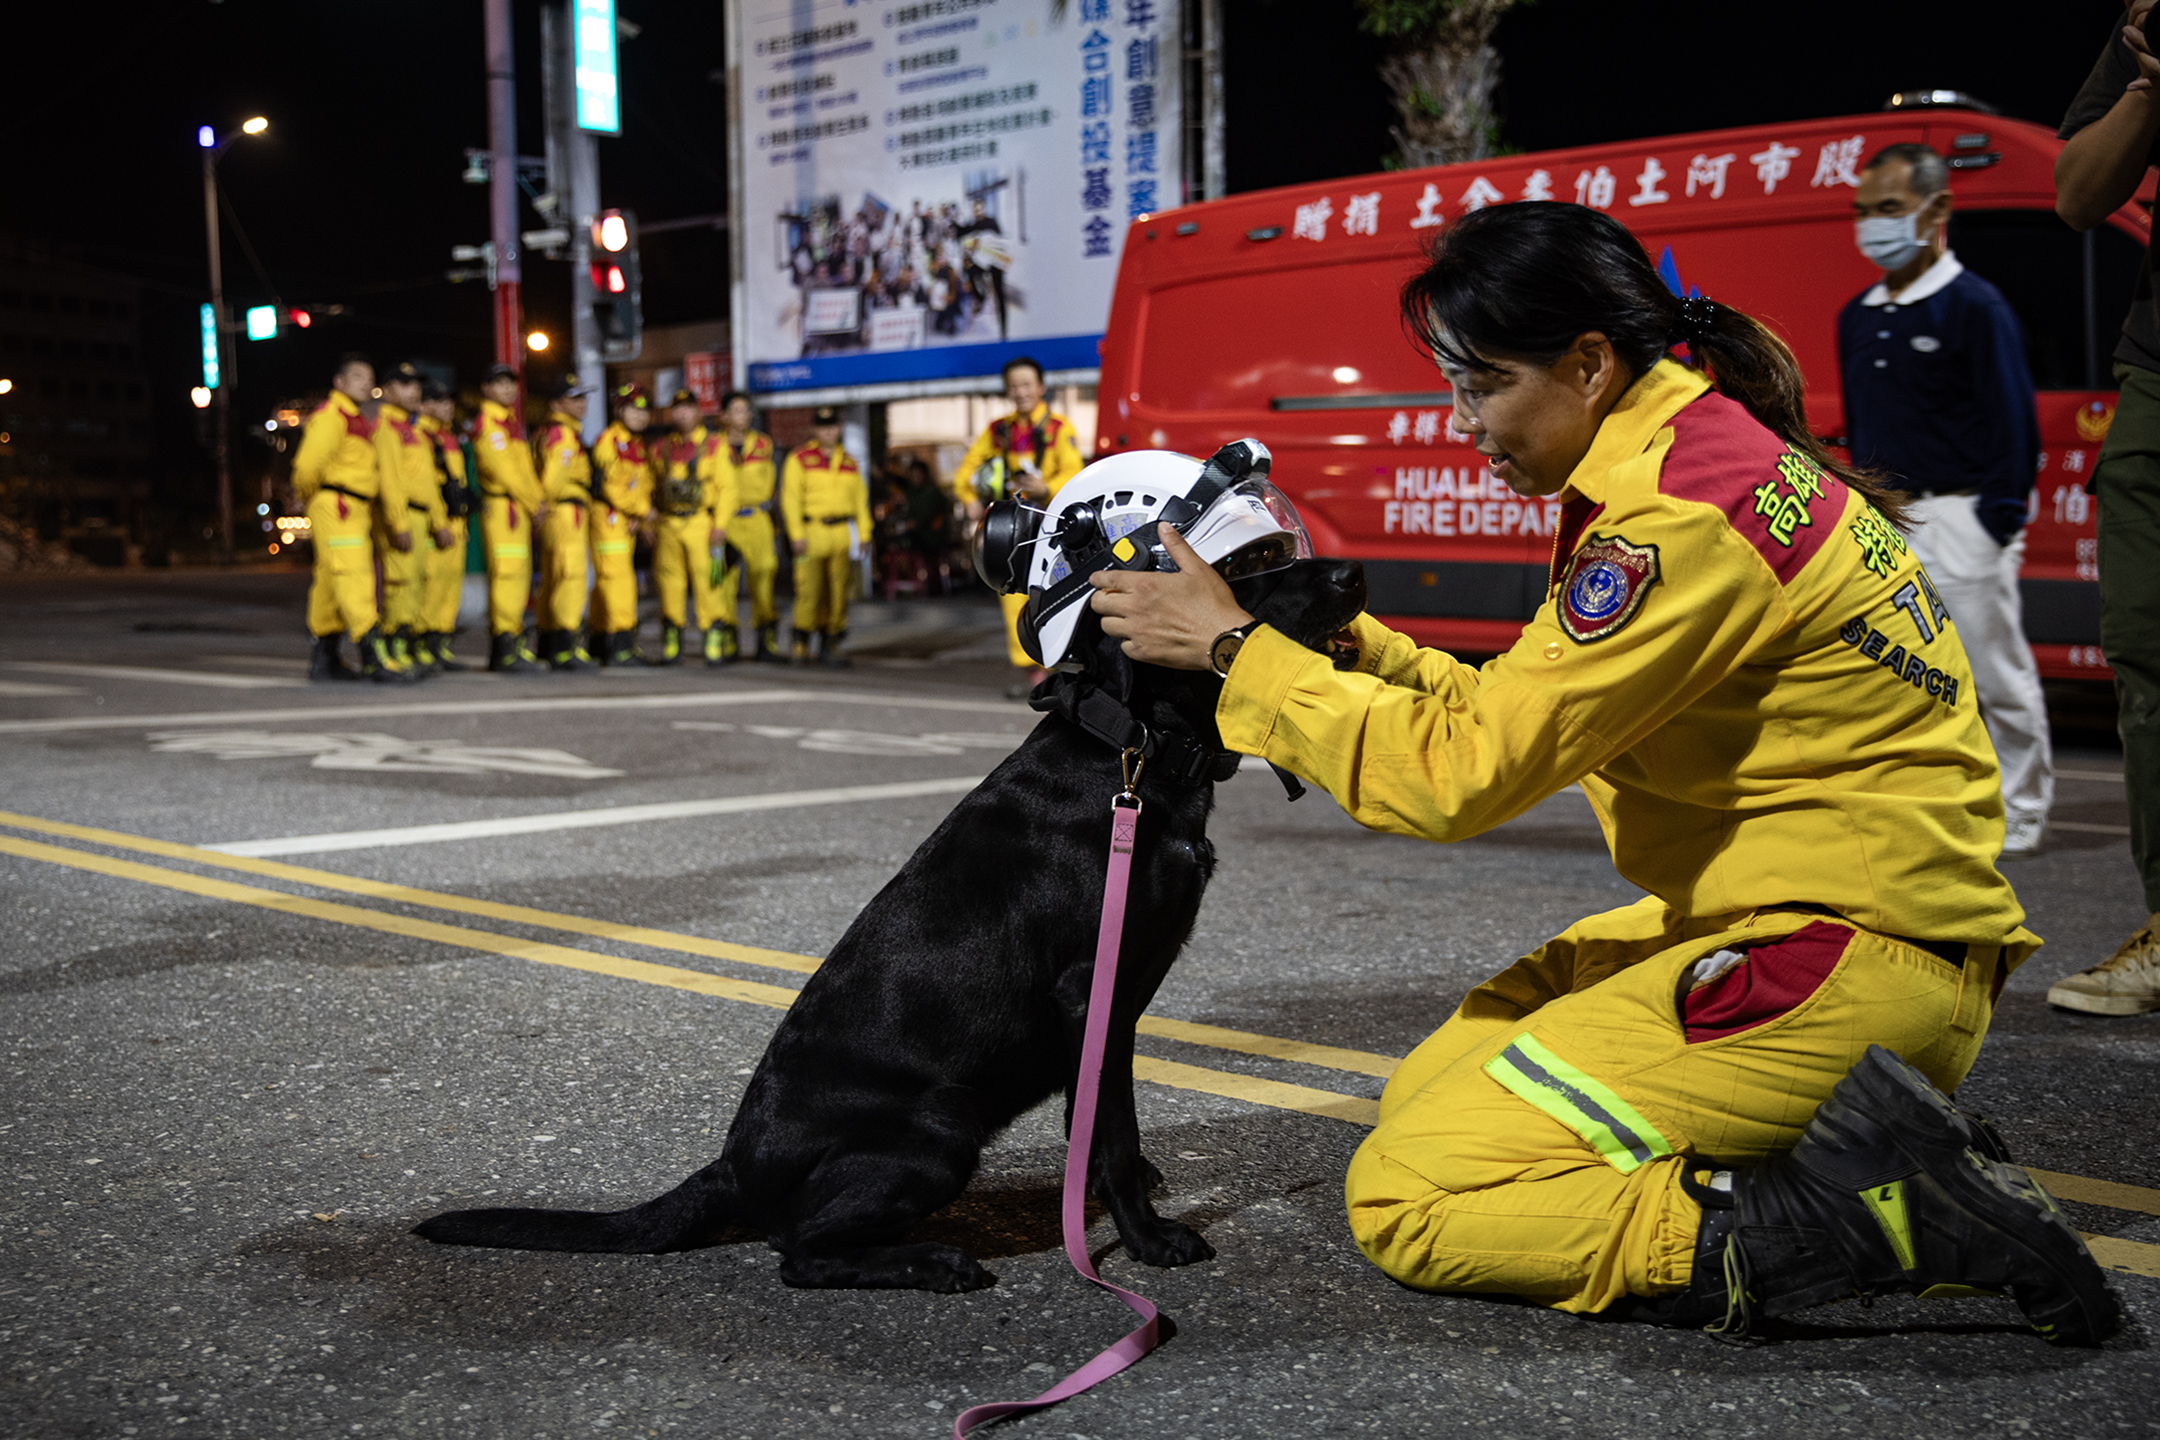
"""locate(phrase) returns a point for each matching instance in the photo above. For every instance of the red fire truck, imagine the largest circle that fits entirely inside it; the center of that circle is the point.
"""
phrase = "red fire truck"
(1274, 314)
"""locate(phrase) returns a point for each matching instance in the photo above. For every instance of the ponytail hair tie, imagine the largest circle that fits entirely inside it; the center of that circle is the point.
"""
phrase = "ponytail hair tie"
(1698, 318)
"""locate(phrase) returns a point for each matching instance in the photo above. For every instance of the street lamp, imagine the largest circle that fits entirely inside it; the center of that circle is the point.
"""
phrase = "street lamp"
(213, 147)
(537, 341)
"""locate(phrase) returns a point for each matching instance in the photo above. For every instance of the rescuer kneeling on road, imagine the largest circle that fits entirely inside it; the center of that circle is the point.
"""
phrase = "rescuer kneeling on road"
(1719, 1103)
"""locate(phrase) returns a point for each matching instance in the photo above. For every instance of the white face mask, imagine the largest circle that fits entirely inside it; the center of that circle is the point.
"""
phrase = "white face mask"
(1890, 241)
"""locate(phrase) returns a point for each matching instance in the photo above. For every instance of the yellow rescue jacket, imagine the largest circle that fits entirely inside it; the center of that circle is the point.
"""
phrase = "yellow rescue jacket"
(1038, 438)
(818, 486)
(752, 475)
(405, 471)
(505, 460)
(687, 478)
(625, 464)
(337, 451)
(565, 469)
(1738, 658)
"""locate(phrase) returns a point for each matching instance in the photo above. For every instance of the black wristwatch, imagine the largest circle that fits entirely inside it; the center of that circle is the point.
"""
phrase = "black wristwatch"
(1226, 647)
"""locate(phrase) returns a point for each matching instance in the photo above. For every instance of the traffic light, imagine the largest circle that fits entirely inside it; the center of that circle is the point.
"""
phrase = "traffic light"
(617, 310)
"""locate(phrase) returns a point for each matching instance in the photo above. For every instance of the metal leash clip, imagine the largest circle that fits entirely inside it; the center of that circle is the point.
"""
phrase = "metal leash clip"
(1134, 763)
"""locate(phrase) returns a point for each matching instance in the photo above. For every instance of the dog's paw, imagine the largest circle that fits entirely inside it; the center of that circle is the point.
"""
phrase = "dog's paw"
(1171, 1242)
(954, 1273)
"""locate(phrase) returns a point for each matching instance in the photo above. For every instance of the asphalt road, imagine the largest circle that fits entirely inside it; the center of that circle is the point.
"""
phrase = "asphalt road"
(230, 1086)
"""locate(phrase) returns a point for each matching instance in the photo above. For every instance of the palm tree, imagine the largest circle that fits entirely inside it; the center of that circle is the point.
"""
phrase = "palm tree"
(1443, 73)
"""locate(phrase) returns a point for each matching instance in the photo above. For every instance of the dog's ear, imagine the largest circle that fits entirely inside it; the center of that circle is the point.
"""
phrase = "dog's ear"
(1309, 600)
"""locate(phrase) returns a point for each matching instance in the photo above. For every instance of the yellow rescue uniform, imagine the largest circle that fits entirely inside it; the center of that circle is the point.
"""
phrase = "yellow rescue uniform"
(566, 481)
(1770, 710)
(749, 471)
(624, 467)
(334, 474)
(688, 490)
(827, 510)
(445, 574)
(405, 467)
(1038, 439)
(510, 500)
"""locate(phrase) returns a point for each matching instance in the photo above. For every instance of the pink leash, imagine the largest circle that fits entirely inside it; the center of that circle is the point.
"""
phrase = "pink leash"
(1124, 822)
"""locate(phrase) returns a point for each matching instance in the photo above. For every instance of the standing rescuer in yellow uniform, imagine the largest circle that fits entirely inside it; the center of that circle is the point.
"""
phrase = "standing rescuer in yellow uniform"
(745, 458)
(336, 477)
(445, 576)
(622, 468)
(690, 492)
(566, 481)
(510, 502)
(1031, 453)
(827, 511)
(405, 468)
(1721, 1102)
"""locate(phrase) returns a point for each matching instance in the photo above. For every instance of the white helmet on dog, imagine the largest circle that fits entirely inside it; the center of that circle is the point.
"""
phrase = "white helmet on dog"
(1107, 518)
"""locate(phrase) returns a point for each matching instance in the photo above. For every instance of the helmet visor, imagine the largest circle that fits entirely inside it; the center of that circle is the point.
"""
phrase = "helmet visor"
(1251, 529)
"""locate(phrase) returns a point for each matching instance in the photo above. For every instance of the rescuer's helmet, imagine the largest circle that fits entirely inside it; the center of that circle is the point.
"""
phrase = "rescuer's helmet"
(1108, 518)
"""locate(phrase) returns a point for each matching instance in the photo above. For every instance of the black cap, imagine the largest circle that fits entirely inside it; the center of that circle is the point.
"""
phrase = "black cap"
(569, 387)
(403, 370)
(500, 371)
(685, 396)
(825, 415)
(434, 390)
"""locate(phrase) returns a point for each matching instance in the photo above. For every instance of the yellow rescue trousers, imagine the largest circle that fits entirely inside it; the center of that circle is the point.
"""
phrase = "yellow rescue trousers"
(342, 596)
(404, 577)
(1534, 1144)
(508, 532)
(682, 564)
(562, 579)
(750, 535)
(823, 574)
(1012, 605)
(445, 582)
(613, 536)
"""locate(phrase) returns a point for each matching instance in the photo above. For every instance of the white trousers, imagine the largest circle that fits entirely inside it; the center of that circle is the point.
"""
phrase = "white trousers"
(1978, 581)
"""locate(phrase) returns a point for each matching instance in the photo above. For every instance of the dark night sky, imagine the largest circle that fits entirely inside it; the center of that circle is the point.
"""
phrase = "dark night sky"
(354, 197)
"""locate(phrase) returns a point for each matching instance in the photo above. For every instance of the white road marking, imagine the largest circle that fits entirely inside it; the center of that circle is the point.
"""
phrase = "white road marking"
(168, 677)
(2084, 829)
(581, 819)
(2109, 775)
(863, 742)
(28, 688)
(367, 750)
(496, 707)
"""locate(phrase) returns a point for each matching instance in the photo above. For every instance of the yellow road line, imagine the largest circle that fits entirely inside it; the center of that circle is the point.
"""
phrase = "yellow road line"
(433, 899)
(1214, 1036)
(2127, 1256)
(2098, 1192)
(2130, 1257)
(1251, 1088)
(747, 991)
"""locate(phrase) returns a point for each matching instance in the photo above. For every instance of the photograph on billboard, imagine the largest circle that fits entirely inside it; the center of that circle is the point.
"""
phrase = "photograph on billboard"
(930, 187)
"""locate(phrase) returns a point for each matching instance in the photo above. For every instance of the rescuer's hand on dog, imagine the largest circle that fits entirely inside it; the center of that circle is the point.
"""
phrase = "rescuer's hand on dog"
(1167, 618)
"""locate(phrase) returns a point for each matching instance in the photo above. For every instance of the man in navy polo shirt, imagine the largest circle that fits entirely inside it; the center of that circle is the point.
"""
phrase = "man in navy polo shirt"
(1939, 398)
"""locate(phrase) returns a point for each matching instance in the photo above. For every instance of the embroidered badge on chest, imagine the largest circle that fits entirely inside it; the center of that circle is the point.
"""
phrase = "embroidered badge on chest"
(1605, 586)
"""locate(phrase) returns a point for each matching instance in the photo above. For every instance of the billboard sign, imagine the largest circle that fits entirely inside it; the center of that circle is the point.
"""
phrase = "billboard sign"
(592, 67)
(931, 187)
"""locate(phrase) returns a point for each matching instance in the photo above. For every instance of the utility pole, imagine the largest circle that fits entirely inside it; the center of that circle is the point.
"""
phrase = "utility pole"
(573, 170)
(228, 374)
(503, 182)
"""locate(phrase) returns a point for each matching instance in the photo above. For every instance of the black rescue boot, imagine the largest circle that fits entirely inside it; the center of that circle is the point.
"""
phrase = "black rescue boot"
(440, 650)
(829, 653)
(378, 662)
(1890, 1191)
(670, 645)
(768, 645)
(412, 648)
(326, 663)
(722, 645)
(507, 655)
(565, 650)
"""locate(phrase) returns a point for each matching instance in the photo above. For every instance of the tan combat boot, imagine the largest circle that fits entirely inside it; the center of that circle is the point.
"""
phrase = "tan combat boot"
(2127, 983)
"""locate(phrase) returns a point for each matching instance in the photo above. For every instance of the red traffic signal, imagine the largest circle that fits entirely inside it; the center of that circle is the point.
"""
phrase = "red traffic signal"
(611, 232)
(300, 318)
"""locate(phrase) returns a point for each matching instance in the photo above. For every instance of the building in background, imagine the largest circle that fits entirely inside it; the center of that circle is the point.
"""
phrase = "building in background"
(75, 426)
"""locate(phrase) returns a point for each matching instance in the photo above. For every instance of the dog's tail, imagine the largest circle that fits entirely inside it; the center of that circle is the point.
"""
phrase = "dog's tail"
(692, 1214)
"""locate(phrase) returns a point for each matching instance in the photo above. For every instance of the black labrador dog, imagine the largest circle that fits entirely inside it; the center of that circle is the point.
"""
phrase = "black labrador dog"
(956, 1000)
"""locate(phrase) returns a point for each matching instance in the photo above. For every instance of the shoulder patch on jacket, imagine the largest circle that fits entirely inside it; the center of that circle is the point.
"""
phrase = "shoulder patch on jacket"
(1605, 586)
(1775, 497)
